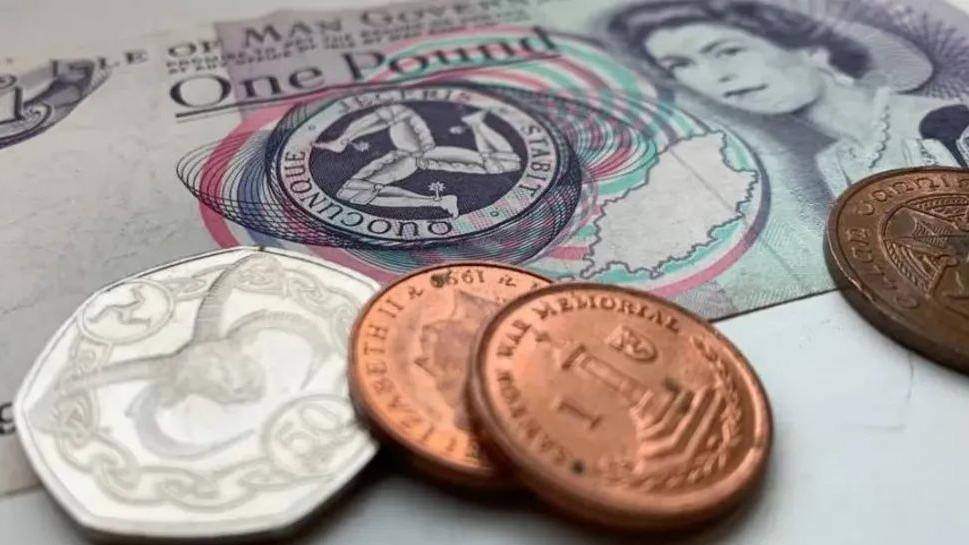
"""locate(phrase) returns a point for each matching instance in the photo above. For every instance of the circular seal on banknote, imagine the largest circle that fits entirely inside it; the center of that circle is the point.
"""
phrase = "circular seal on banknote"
(619, 407)
(898, 245)
(409, 357)
(421, 165)
(204, 398)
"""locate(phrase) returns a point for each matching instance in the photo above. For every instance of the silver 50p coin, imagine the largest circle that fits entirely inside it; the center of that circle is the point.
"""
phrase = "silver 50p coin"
(204, 398)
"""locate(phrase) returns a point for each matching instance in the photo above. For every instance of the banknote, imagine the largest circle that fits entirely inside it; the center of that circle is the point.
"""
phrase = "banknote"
(691, 148)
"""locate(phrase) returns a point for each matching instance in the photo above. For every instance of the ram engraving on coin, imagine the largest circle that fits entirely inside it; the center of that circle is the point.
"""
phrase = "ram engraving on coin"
(205, 398)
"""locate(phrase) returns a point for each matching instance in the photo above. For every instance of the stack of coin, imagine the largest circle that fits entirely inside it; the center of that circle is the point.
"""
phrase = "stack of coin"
(897, 243)
(214, 397)
(615, 406)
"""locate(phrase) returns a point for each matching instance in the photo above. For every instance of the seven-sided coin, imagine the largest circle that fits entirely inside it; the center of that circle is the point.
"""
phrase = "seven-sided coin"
(204, 398)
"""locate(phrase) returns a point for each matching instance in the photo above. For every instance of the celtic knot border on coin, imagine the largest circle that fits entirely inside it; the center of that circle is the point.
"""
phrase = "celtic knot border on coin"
(83, 443)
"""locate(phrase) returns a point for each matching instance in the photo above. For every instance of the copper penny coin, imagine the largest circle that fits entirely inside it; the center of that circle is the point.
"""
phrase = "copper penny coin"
(619, 407)
(898, 245)
(409, 357)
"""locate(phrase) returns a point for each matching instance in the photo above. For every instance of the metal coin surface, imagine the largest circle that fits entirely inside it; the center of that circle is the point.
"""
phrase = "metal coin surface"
(409, 358)
(204, 398)
(898, 245)
(620, 408)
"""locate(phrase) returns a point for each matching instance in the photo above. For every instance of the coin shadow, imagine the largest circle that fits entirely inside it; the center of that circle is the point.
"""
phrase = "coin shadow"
(349, 508)
(516, 506)
(714, 531)
(730, 523)
(391, 472)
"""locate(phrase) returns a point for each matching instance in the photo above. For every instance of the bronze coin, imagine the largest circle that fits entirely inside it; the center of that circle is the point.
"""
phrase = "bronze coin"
(409, 356)
(897, 244)
(619, 407)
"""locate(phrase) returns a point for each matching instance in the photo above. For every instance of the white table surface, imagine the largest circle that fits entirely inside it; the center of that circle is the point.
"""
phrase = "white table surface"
(870, 442)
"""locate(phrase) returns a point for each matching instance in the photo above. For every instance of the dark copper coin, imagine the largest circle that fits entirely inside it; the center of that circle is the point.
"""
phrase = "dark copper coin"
(619, 407)
(898, 245)
(409, 356)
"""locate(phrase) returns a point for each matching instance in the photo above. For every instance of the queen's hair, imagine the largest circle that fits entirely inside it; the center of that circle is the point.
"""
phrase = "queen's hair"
(630, 27)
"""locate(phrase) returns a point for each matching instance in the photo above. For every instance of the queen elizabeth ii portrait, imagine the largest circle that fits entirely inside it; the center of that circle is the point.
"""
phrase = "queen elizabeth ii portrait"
(876, 95)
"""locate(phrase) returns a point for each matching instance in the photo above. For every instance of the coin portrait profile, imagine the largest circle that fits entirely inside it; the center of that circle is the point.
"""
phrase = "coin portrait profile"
(410, 355)
(443, 350)
(883, 100)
